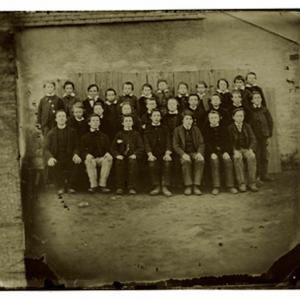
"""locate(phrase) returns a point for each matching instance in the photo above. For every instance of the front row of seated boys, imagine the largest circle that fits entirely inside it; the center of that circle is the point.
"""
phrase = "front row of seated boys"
(74, 145)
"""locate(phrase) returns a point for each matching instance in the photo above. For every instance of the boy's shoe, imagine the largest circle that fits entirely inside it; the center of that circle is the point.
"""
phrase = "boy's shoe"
(215, 191)
(155, 191)
(60, 192)
(233, 190)
(71, 191)
(132, 192)
(119, 192)
(188, 191)
(242, 187)
(166, 191)
(92, 190)
(253, 187)
(197, 191)
(104, 189)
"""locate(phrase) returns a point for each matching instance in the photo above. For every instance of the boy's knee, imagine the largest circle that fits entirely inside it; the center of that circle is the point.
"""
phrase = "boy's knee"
(213, 156)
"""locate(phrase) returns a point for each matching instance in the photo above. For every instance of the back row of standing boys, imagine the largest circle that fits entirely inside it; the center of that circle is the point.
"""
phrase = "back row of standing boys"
(174, 134)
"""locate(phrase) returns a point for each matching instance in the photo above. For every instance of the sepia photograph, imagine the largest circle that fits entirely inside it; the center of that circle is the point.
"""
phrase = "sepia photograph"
(150, 150)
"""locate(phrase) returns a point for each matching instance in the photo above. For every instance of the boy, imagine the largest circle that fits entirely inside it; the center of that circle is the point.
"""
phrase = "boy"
(77, 120)
(222, 90)
(201, 89)
(92, 99)
(128, 96)
(218, 152)
(198, 112)
(48, 107)
(127, 149)
(95, 152)
(61, 152)
(183, 95)
(126, 109)
(146, 94)
(252, 86)
(173, 118)
(236, 102)
(69, 97)
(158, 148)
(151, 104)
(111, 112)
(243, 142)
(262, 125)
(215, 104)
(189, 146)
(239, 85)
(162, 94)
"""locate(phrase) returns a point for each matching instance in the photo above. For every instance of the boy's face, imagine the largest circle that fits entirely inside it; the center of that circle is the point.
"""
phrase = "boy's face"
(182, 89)
(193, 101)
(156, 117)
(251, 78)
(98, 110)
(147, 91)
(127, 89)
(110, 96)
(94, 122)
(151, 104)
(69, 89)
(238, 117)
(215, 100)
(236, 99)
(256, 99)
(162, 86)
(49, 88)
(61, 118)
(93, 92)
(187, 121)
(127, 123)
(239, 83)
(77, 112)
(172, 105)
(126, 109)
(201, 88)
(214, 119)
(222, 85)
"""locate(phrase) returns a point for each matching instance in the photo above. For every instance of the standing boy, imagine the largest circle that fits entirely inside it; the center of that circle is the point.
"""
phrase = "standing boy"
(201, 89)
(92, 99)
(189, 146)
(69, 97)
(239, 85)
(222, 90)
(252, 86)
(215, 104)
(128, 96)
(182, 95)
(77, 120)
(151, 104)
(237, 103)
(95, 153)
(162, 94)
(198, 112)
(147, 93)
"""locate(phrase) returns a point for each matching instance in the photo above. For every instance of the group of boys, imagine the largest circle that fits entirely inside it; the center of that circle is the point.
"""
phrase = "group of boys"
(173, 134)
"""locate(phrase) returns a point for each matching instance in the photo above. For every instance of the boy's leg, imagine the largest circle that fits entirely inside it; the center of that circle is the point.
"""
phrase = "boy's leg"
(166, 173)
(198, 170)
(106, 164)
(154, 173)
(215, 171)
(258, 153)
(251, 164)
(187, 172)
(120, 173)
(228, 170)
(59, 176)
(239, 167)
(91, 169)
(132, 173)
(264, 159)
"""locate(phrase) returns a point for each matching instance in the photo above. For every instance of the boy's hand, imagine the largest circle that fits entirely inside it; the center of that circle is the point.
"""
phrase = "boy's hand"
(76, 159)
(51, 162)
(199, 157)
(167, 157)
(133, 156)
(186, 157)
(226, 155)
(120, 157)
(107, 155)
(213, 156)
(89, 157)
(237, 154)
(151, 157)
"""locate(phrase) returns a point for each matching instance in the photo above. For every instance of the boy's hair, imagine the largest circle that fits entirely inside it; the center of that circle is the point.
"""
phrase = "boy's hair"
(187, 112)
(236, 92)
(194, 95)
(93, 85)
(110, 90)
(155, 110)
(126, 116)
(98, 103)
(201, 82)
(147, 85)
(216, 94)
(59, 111)
(51, 82)
(183, 83)
(238, 109)
(255, 93)
(172, 98)
(68, 82)
(93, 115)
(77, 104)
(214, 112)
(129, 83)
(239, 77)
(222, 79)
(151, 99)
(161, 80)
(251, 73)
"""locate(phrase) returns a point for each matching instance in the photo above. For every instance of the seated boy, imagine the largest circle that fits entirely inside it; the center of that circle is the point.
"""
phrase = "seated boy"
(77, 120)
(147, 93)
(62, 152)
(111, 113)
(126, 109)
(127, 148)
(182, 95)
(189, 146)
(92, 99)
(262, 124)
(198, 112)
(69, 97)
(243, 142)
(218, 150)
(201, 89)
(237, 103)
(95, 153)
(151, 104)
(163, 93)
(47, 108)
(128, 96)
(158, 148)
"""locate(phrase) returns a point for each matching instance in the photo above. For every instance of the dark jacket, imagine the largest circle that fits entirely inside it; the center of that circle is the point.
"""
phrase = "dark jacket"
(224, 116)
(142, 109)
(247, 133)
(47, 109)
(157, 140)
(261, 122)
(182, 101)
(81, 127)
(111, 118)
(162, 99)
(231, 108)
(199, 116)
(172, 121)
(179, 140)
(51, 143)
(88, 109)
(256, 88)
(136, 122)
(225, 99)
(127, 143)
(94, 143)
(69, 101)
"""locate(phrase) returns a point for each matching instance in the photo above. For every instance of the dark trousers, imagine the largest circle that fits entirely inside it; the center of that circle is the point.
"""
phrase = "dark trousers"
(126, 170)
(262, 157)
(192, 171)
(216, 165)
(160, 171)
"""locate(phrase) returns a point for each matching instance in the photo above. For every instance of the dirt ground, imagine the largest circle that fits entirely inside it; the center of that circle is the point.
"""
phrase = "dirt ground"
(144, 238)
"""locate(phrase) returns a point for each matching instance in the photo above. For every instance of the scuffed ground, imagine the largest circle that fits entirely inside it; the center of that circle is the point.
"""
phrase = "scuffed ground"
(146, 238)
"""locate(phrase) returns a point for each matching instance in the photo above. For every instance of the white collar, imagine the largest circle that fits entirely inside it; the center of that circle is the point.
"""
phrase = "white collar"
(238, 125)
(180, 96)
(187, 128)
(213, 108)
(93, 99)
(222, 92)
(155, 125)
(237, 105)
(191, 108)
(127, 129)
(72, 95)
(62, 127)
(237, 89)
(94, 130)
(173, 112)
(201, 95)
(50, 95)
(110, 103)
(128, 95)
(160, 91)
(81, 119)
(146, 96)
(214, 125)
(256, 106)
